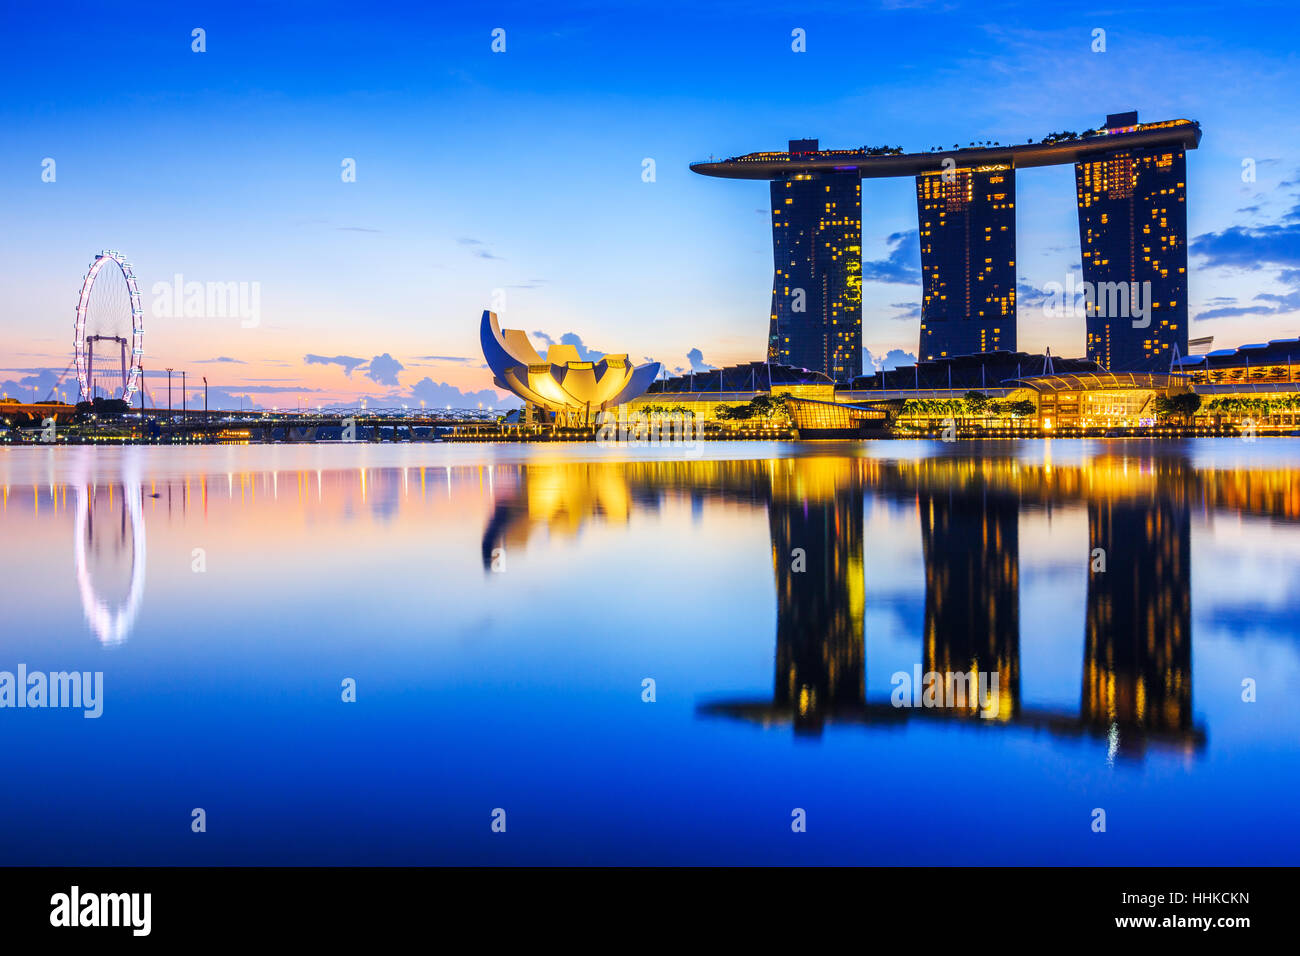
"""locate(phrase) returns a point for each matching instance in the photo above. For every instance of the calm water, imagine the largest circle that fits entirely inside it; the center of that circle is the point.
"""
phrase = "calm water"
(500, 607)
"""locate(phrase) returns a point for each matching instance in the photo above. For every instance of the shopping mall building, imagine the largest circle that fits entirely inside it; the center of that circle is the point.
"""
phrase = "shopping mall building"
(1254, 386)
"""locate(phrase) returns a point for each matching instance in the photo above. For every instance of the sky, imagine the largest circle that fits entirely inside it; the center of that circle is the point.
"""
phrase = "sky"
(373, 176)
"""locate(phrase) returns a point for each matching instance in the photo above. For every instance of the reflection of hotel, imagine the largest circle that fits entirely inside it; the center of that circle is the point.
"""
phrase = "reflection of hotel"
(1137, 676)
(1137, 658)
(972, 589)
(817, 559)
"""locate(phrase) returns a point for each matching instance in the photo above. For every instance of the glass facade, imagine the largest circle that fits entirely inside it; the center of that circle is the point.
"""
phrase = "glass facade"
(1133, 229)
(816, 315)
(967, 224)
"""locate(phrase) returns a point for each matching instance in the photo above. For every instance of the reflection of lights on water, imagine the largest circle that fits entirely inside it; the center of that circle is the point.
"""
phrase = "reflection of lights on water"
(1112, 744)
(111, 625)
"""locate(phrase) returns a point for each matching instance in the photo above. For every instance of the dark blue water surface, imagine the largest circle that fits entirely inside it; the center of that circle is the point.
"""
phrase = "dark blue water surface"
(500, 609)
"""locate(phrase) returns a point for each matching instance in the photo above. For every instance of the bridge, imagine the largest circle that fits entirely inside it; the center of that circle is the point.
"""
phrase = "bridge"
(153, 424)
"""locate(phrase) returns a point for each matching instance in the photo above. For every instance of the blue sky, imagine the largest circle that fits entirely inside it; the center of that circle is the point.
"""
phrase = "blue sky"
(516, 177)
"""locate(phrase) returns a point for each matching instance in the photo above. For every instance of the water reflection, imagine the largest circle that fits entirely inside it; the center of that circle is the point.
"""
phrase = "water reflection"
(772, 600)
(1137, 676)
(1135, 639)
(1137, 647)
(113, 544)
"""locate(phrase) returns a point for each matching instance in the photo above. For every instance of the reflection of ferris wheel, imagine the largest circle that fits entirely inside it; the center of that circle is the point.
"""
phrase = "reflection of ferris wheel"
(111, 624)
(110, 322)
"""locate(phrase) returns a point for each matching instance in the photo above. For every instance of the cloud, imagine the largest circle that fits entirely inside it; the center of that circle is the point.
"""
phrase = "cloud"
(571, 338)
(1230, 311)
(441, 394)
(906, 310)
(902, 265)
(479, 248)
(1029, 297)
(383, 369)
(584, 353)
(696, 359)
(221, 399)
(36, 385)
(349, 362)
(1253, 248)
(894, 358)
(443, 358)
(220, 358)
(1270, 303)
(357, 229)
(261, 389)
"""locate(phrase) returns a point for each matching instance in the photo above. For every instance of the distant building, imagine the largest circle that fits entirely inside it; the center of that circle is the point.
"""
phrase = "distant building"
(1133, 230)
(816, 315)
(1273, 364)
(966, 219)
(980, 372)
(750, 379)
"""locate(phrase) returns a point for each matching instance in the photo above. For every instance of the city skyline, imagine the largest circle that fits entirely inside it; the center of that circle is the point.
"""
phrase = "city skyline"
(229, 171)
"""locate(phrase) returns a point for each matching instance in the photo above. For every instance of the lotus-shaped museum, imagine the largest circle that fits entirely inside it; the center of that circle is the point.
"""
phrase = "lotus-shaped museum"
(561, 382)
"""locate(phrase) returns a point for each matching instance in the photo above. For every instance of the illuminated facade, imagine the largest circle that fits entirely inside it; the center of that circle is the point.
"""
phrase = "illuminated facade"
(1132, 231)
(703, 394)
(816, 316)
(809, 399)
(1131, 193)
(562, 383)
(1268, 364)
(966, 219)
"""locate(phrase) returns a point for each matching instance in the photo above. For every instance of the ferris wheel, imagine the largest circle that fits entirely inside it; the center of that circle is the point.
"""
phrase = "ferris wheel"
(110, 325)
